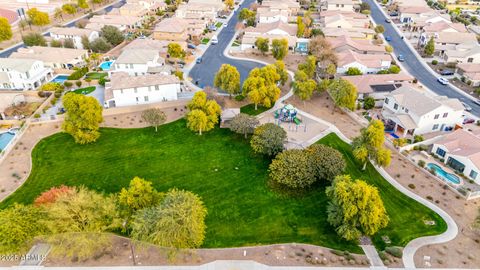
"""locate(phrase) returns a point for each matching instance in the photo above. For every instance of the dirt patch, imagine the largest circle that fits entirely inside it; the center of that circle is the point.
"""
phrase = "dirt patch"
(291, 60)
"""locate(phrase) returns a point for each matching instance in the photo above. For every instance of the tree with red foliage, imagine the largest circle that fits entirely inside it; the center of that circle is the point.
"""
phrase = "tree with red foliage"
(52, 194)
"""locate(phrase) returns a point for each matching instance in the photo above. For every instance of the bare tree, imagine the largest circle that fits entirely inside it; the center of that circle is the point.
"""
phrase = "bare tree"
(154, 117)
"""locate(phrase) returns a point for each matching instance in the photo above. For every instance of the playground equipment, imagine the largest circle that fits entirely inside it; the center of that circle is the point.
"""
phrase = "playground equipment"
(287, 113)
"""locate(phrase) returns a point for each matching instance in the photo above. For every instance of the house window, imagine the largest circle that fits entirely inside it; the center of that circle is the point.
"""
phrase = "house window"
(157, 87)
(470, 60)
(121, 91)
(435, 127)
(436, 116)
(136, 98)
(131, 65)
(135, 90)
(406, 110)
(145, 98)
(455, 164)
(445, 114)
(395, 106)
(473, 174)
(440, 152)
(386, 100)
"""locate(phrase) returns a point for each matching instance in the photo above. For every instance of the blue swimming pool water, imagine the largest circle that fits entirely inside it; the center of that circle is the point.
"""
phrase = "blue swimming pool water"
(5, 138)
(394, 135)
(60, 78)
(106, 65)
(443, 174)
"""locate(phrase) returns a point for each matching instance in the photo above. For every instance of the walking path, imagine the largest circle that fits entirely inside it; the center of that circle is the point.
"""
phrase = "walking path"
(372, 255)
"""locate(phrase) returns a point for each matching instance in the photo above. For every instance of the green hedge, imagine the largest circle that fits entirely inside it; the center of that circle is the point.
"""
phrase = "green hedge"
(78, 74)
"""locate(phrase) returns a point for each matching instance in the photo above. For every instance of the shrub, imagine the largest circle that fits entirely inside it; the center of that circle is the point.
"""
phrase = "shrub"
(399, 142)
(421, 163)
(418, 138)
(58, 94)
(37, 115)
(78, 83)
(41, 94)
(68, 84)
(368, 103)
(429, 198)
(179, 74)
(239, 97)
(268, 139)
(434, 62)
(102, 81)
(293, 169)
(394, 251)
(53, 101)
(412, 186)
(327, 162)
(383, 256)
(79, 73)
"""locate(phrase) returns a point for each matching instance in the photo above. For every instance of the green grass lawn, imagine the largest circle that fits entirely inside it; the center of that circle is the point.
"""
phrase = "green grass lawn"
(221, 168)
(218, 24)
(205, 41)
(85, 90)
(406, 215)
(96, 75)
(250, 109)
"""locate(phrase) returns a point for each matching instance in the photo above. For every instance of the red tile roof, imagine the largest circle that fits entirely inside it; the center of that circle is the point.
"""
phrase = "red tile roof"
(10, 15)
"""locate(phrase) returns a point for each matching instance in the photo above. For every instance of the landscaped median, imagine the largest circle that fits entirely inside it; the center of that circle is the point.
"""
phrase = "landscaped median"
(232, 181)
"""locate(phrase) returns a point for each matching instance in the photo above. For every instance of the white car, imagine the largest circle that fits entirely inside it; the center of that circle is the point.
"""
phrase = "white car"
(442, 80)
(466, 106)
(214, 40)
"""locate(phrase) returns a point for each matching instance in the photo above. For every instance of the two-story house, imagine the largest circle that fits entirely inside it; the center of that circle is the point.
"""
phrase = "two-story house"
(136, 62)
(410, 111)
(171, 29)
(124, 90)
(55, 58)
(23, 74)
(73, 33)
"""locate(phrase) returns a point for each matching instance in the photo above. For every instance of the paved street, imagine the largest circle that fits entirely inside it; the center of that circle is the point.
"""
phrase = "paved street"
(413, 65)
(213, 58)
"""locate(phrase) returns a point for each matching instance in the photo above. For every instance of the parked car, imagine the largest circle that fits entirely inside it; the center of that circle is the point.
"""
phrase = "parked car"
(442, 80)
(199, 60)
(401, 58)
(388, 20)
(476, 101)
(393, 14)
(388, 38)
(214, 40)
(468, 121)
(447, 72)
(466, 106)
(191, 46)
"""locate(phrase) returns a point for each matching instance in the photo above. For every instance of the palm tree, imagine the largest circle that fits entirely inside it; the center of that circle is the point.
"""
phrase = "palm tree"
(58, 13)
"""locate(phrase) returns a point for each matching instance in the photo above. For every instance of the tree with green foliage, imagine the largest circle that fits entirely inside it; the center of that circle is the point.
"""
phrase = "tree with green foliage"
(68, 43)
(82, 4)
(430, 47)
(52, 87)
(262, 44)
(355, 208)
(69, 9)
(379, 29)
(353, 71)
(292, 168)
(38, 17)
(139, 195)
(368, 103)
(19, 225)
(58, 13)
(112, 35)
(268, 139)
(343, 93)
(100, 45)
(84, 114)
(279, 48)
(227, 79)
(369, 145)
(300, 27)
(247, 15)
(327, 162)
(177, 222)
(204, 113)
(175, 51)
(304, 88)
(5, 29)
(309, 66)
(34, 39)
(243, 124)
(154, 116)
(394, 69)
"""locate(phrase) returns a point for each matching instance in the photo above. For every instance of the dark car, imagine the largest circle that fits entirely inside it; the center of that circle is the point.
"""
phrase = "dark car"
(447, 72)
(394, 14)
(388, 38)
(401, 58)
(468, 121)
(199, 60)
(191, 46)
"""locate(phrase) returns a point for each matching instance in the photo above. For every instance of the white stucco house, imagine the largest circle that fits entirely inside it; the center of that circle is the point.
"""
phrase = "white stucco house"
(410, 111)
(125, 90)
(54, 58)
(460, 151)
(137, 62)
(342, 5)
(366, 63)
(23, 74)
(73, 33)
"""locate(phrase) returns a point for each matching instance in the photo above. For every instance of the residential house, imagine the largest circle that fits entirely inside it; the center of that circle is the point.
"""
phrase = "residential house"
(445, 41)
(460, 150)
(218, 4)
(343, 5)
(410, 111)
(366, 63)
(344, 19)
(292, 5)
(133, 9)
(138, 62)
(55, 58)
(152, 5)
(469, 73)
(275, 30)
(345, 43)
(354, 33)
(270, 15)
(433, 30)
(463, 53)
(378, 85)
(207, 13)
(123, 23)
(124, 90)
(23, 74)
(73, 33)
(147, 43)
(418, 17)
(171, 29)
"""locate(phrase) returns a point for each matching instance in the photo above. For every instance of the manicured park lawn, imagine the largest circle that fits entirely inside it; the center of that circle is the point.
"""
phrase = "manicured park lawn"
(250, 109)
(85, 90)
(406, 215)
(220, 167)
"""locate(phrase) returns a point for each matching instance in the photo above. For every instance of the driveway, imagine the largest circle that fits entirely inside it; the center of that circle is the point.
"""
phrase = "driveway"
(213, 58)
(99, 94)
(413, 64)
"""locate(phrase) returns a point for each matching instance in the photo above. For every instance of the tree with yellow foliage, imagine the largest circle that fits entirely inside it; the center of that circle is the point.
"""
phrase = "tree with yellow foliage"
(369, 145)
(204, 113)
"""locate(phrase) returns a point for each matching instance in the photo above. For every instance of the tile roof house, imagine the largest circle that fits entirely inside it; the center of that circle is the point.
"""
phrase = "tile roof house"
(137, 62)
(73, 33)
(378, 85)
(275, 30)
(11, 16)
(470, 73)
(152, 44)
(121, 22)
(343, 5)
(460, 151)
(344, 43)
(23, 74)
(204, 12)
(344, 19)
(270, 15)
(125, 90)
(411, 111)
(445, 41)
(433, 30)
(292, 5)
(171, 29)
(366, 63)
(55, 58)
(462, 53)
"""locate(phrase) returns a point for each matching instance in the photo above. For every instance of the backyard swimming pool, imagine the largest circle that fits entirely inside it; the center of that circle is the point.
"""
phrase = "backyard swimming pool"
(443, 174)
(105, 65)
(60, 78)
(5, 138)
